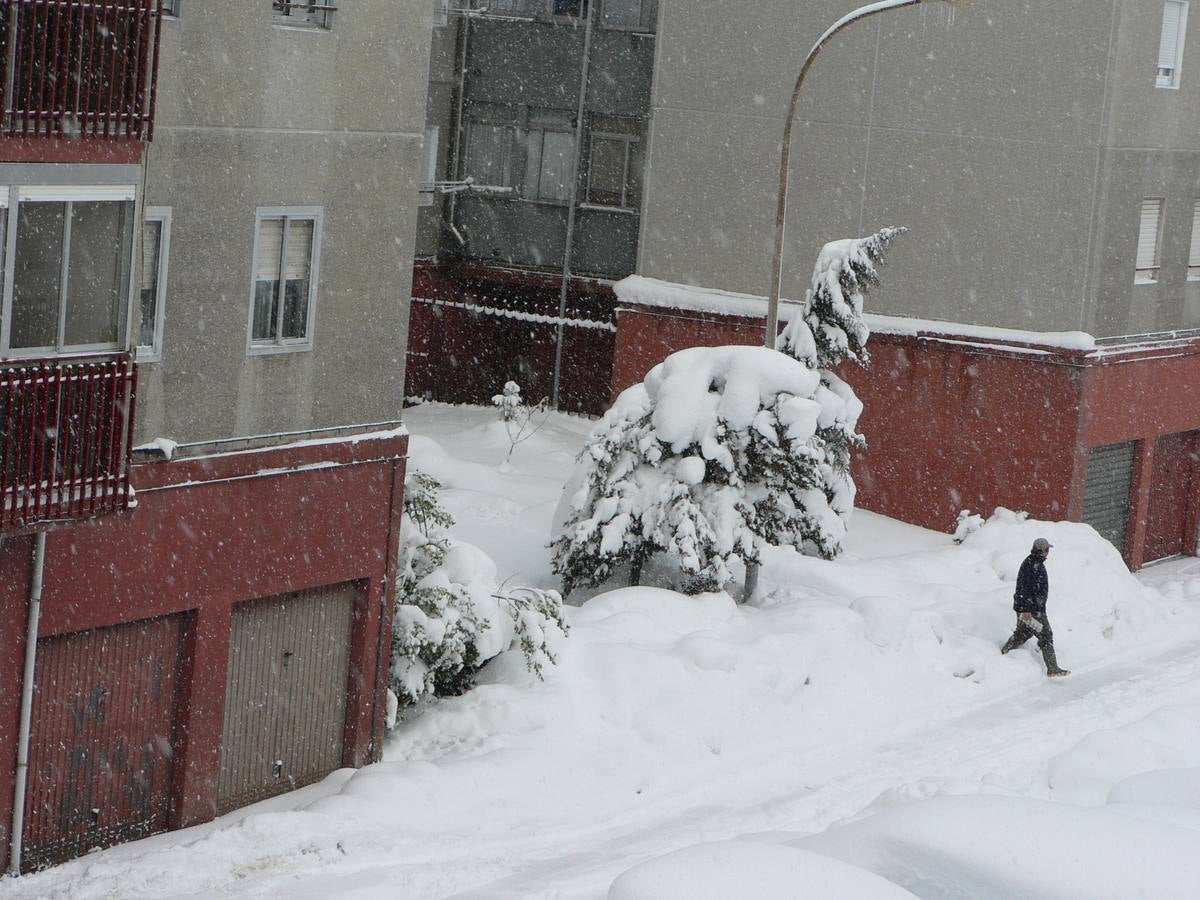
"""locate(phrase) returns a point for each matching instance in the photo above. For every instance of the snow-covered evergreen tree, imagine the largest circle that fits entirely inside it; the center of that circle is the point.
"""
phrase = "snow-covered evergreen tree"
(830, 329)
(723, 451)
(451, 617)
(712, 458)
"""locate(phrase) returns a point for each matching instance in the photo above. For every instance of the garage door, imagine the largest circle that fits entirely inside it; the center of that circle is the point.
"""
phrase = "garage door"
(285, 701)
(104, 708)
(1106, 492)
(1170, 493)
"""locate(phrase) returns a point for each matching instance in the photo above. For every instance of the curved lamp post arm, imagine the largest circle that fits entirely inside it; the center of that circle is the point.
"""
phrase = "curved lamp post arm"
(772, 325)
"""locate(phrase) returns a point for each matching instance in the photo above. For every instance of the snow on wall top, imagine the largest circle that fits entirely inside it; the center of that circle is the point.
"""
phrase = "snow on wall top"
(669, 295)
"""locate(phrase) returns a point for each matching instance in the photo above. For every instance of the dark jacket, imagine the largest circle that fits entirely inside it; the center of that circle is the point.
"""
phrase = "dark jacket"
(1032, 585)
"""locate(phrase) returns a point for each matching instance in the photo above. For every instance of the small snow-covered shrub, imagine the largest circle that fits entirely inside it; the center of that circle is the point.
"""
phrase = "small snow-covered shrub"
(521, 421)
(532, 611)
(966, 525)
(451, 618)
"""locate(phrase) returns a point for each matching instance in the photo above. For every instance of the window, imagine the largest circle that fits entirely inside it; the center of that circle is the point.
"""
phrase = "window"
(550, 165)
(1170, 47)
(68, 285)
(441, 13)
(1194, 254)
(614, 162)
(1149, 241)
(574, 9)
(303, 14)
(171, 8)
(489, 154)
(283, 302)
(622, 14)
(152, 288)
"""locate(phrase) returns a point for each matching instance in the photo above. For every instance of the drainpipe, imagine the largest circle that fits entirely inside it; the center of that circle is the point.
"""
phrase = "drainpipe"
(31, 633)
(566, 270)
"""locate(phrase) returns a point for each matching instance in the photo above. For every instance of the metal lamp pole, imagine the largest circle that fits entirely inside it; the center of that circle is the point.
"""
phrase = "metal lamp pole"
(786, 156)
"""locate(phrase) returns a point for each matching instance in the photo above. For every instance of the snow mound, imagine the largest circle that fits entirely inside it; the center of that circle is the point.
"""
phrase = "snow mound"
(1165, 787)
(692, 391)
(1003, 847)
(1168, 738)
(728, 869)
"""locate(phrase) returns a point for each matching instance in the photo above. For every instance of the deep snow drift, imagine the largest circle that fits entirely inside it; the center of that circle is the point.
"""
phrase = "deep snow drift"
(856, 729)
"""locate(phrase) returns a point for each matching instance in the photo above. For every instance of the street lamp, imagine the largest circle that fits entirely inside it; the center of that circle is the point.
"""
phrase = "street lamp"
(786, 156)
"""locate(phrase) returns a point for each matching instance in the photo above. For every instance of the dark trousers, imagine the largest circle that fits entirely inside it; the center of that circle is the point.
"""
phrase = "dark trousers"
(1045, 640)
(1023, 633)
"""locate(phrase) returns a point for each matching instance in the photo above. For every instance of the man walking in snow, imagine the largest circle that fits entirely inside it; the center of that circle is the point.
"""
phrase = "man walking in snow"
(1029, 601)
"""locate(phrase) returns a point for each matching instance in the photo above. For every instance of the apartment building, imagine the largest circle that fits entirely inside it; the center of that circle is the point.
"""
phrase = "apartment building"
(1035, 339)
(210, 218)
(536, 141)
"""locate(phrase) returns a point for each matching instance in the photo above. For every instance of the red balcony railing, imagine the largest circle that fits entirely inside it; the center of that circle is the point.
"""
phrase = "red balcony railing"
(66, 430)
(79, 67)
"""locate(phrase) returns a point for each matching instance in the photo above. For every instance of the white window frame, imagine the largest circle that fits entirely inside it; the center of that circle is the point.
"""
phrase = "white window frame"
(630, 141)
(161, 215)
(315, 214)
(284, 19)
(1144, 274)
(1193, 273)
(11, 198)
(1170, 58)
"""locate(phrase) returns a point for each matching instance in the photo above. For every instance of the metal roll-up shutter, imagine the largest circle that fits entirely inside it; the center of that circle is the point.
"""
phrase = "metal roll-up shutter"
(103, 738)
(1106, 493)
(285, 701)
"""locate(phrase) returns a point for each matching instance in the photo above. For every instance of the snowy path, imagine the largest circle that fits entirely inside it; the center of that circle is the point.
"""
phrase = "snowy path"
(1003, 743)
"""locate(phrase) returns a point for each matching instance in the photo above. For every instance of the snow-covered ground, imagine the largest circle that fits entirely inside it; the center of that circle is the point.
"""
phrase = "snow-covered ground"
(854, 733)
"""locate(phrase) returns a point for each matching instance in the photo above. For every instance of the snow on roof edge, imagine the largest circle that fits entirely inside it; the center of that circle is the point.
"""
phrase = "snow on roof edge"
(669, 295)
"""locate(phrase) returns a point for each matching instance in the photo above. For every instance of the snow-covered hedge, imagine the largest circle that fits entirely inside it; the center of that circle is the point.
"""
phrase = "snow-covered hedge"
(451, 615)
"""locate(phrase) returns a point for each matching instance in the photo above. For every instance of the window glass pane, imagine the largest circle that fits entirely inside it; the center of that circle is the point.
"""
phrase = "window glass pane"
(606, 174)
(557, 165)
(297, 268)
(37, 274)
(266, 279)
(97, 270)
(623, 13)
(170, 7)
(574, 8)
(151, 245)
(266, 294)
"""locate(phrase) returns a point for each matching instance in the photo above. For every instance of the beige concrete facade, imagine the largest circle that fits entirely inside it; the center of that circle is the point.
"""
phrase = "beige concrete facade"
(253, 115)
(1016, 139)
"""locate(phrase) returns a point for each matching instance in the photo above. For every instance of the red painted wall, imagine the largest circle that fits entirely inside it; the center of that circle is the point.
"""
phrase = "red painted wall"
(933, 414)
(208, 533)
(949, 430)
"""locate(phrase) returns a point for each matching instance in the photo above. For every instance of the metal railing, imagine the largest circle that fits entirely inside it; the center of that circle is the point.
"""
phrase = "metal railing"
(81, 68)
(66, 430)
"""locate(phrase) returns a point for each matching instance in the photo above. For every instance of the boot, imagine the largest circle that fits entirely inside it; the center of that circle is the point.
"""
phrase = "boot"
(1052, 669)
(1009, 644)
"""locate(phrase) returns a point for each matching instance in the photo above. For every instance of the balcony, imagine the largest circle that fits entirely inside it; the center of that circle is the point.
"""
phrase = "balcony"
(79, 68)
(66, 429)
